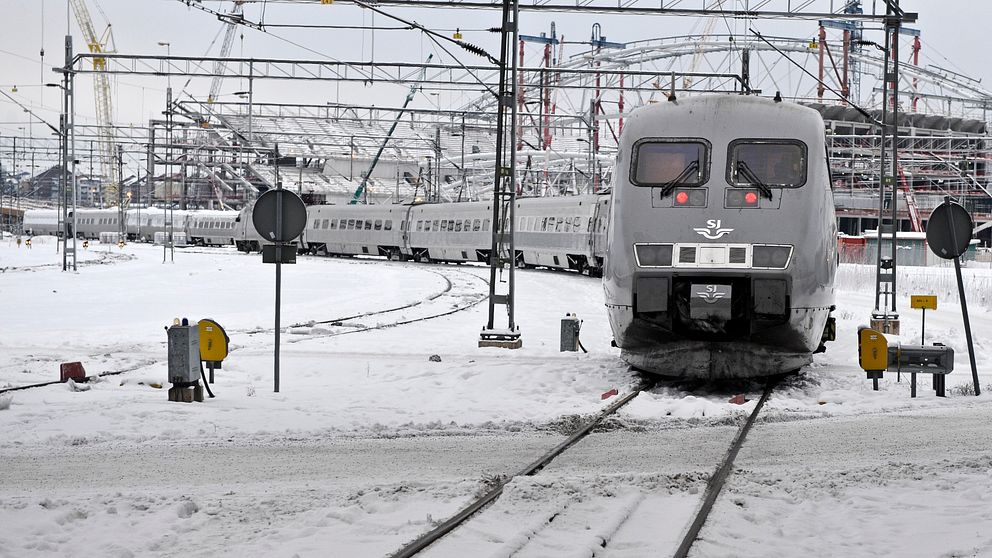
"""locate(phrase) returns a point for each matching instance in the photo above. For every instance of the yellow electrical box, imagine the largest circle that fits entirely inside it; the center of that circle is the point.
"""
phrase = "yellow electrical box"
(213, 341)
(926, 302)
(873, 350)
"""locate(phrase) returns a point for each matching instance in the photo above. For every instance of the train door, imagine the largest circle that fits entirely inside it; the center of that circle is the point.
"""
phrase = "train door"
(406, 228)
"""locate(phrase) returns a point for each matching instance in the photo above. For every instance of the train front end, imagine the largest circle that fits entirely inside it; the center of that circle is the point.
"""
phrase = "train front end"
(721, 247)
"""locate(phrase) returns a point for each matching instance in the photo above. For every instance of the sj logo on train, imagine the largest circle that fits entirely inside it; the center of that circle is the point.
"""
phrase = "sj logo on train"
(713, 230)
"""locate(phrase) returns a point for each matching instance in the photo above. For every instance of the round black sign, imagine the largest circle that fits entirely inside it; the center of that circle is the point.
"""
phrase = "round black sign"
(949, 230)
(294, 215)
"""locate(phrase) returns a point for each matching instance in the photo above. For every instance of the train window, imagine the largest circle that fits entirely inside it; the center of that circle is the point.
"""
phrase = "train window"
(577, 224)
(558, 227)
(485, 225)
(458, 226)
(420, 226)
(331, 224)
(444, 225)
(451, 224)
(378, 224)
(477, 225)
(436, 227)
(772, 162)
(368, 225)
(351, 224)
(568, 225)
(669, 162)
(388, 224)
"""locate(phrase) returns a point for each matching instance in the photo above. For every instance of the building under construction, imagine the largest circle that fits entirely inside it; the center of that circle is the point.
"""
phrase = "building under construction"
(570, 103)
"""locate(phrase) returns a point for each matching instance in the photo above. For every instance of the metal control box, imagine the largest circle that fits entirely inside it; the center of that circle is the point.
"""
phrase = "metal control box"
(570, 326)
(184, 354)
(920, 358)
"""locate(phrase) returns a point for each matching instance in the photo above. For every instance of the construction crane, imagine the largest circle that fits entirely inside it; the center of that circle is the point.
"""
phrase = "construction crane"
(102, 44)
(231, 20)
(375, 160)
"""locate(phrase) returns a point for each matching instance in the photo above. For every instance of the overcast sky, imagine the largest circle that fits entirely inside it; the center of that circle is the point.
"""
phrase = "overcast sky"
(952, 35)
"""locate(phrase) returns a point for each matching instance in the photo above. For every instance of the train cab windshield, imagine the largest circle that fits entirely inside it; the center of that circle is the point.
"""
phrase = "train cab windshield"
(777, 163)
(659, 162)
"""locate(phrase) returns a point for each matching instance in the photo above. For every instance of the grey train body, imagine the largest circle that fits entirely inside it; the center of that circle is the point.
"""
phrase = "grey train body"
(715, 287)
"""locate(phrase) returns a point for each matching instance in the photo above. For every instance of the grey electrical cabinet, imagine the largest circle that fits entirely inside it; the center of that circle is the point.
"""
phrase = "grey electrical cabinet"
(184, 354)
(570, 333)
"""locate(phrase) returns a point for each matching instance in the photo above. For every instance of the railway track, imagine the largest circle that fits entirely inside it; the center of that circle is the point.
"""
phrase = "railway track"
(104, 258)
(457, 295)
(94, 376)
(460, 293)
(565, 523)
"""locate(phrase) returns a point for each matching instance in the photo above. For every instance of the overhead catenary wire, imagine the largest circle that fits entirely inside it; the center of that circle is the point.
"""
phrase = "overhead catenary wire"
(854, 105)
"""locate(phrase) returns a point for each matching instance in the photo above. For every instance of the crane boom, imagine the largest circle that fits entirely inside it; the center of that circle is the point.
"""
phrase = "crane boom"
(101, 93)
(389, 134)
(225, 48)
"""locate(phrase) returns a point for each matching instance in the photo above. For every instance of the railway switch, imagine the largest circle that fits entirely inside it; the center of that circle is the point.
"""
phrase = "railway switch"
(570, 326)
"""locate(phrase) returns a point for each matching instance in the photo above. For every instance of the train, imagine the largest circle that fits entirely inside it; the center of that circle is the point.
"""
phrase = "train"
(716, 236)
(202, 228)
(565, 233)
(721, 251)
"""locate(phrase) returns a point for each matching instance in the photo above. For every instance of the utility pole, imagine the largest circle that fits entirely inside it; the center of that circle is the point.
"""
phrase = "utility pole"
(885, 318)
(121, 215)
(3, 184)
(502, 255)
(67, 197)
(168, 251)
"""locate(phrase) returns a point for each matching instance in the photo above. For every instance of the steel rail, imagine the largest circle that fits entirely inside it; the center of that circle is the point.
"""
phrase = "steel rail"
(454, 310)
(84, 379)
(432, 536)
(719, 478)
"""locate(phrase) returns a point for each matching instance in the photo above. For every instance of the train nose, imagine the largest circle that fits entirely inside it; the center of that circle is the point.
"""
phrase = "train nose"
(713, 307)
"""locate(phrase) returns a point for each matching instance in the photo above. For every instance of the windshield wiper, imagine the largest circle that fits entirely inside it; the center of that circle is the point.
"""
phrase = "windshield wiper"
(744, 169)
(670, 185)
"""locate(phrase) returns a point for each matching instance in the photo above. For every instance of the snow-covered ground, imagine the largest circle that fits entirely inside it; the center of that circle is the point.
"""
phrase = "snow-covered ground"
(369, 442)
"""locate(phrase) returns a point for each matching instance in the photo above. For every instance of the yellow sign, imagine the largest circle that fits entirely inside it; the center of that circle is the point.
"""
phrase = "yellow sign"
(928, 302)
(873, 350)
(213, 341)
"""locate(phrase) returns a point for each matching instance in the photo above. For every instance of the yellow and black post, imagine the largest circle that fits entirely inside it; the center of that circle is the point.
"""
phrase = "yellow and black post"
(213, 345)
(873, 354)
